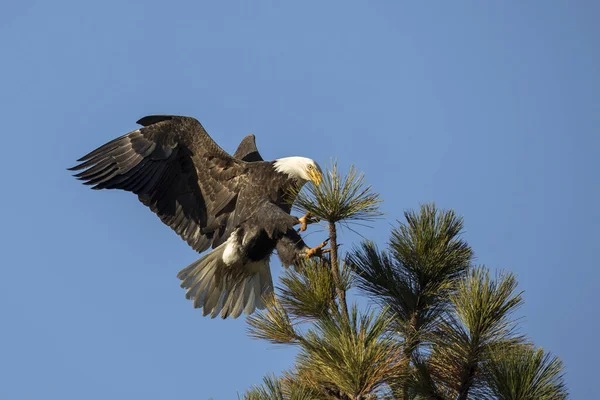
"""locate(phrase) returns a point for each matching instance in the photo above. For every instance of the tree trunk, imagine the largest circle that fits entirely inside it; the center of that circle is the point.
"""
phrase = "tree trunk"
(467, 381)
(335, 270)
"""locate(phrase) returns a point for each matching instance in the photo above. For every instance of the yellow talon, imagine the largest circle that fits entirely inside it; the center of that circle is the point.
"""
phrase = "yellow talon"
(304, 222)
(318, 250)
(307, 219)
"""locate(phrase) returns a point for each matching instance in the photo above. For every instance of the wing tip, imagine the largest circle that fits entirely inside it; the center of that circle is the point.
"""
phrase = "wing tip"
(77, 167)
(247, 150)
(153, 119)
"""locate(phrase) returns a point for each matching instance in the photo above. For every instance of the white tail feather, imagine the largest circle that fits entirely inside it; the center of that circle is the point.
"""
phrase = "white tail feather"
(224, 295)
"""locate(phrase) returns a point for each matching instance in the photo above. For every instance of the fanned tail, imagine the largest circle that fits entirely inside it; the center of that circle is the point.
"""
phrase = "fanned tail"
(210, 287)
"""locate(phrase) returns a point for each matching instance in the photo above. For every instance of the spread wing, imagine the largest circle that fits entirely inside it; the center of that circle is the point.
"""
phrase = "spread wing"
(176, 170)
(247, 150)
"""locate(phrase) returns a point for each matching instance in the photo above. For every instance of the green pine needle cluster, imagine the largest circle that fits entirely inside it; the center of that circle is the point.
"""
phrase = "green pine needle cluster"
(356, 357)
(273, 324)
(309, 293)
(477, 322)
(339, 198)
(523, 373)
(415, 277)
(286, 388)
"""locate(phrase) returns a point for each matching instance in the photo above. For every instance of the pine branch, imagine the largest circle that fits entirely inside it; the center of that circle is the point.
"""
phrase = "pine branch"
(335, 269)
(271, 389)
(309, 292)
(356, 356)
(338, 199)
(480, 322)
(285, 388)
(273, 324)
(525, 373)
(416, 276)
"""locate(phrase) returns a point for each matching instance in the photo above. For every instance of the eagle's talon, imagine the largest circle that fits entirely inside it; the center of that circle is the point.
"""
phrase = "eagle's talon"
(324, 251)
(318, 250)
(304, 221)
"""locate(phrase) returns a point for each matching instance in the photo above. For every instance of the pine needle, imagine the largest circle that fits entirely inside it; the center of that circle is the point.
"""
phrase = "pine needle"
(339, 198)
(273, 324)
(523, 372)
(308, 293)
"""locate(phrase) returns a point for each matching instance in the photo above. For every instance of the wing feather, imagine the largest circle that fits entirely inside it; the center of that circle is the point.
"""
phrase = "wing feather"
(247, 150)
(176, 170)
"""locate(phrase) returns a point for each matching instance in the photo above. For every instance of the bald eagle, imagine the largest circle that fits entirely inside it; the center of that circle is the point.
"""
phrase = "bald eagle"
(237, 205)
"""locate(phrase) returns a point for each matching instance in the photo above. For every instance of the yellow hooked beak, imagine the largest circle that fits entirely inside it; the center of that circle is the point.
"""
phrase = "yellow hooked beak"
(315, 176)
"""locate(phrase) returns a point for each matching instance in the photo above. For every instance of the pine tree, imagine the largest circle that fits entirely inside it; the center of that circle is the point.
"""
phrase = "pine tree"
(440, 327)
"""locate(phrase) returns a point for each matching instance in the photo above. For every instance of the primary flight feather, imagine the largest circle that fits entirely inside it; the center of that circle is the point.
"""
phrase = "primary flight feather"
(239, 206)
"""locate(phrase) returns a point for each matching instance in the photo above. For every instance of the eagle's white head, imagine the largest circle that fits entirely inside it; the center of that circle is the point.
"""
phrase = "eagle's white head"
(301, 168)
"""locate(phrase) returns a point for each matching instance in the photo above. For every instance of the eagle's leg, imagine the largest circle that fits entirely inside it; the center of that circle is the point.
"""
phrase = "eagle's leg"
(317, 251)
(305, 220)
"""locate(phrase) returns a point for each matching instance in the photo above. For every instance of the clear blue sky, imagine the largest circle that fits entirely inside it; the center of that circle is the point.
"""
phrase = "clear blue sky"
(490, 108)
